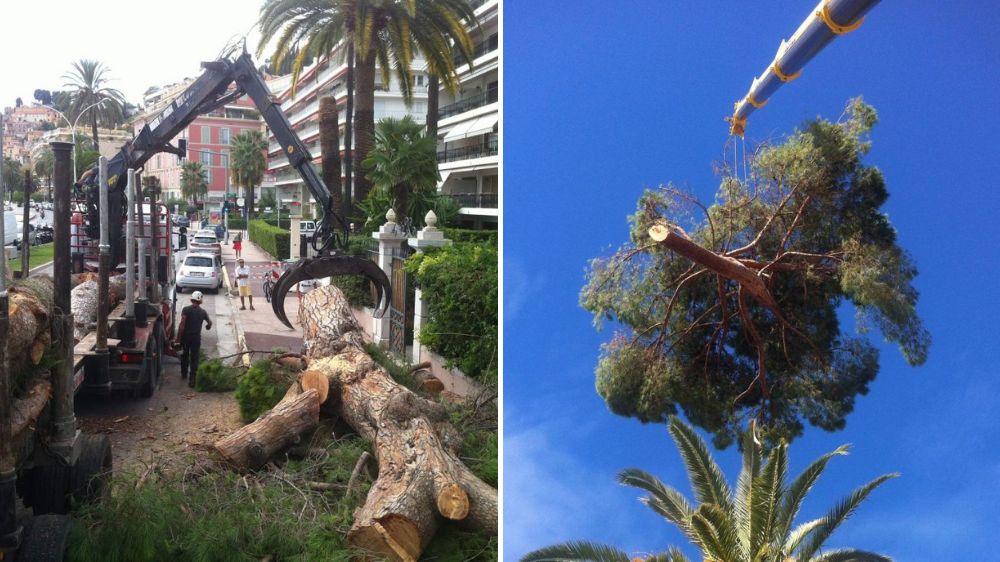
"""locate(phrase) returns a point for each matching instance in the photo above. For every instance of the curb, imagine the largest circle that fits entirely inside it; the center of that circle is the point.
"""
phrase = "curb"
(36, 269)
(241, 340)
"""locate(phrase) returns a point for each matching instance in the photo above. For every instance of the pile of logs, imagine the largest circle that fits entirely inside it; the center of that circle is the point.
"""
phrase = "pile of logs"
(421, 480)
(83, 300)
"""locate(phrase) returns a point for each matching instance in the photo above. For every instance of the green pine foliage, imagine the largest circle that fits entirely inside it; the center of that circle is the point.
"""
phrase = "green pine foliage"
(213, 376)
(808, 220)
(461, 285)
(261, 388)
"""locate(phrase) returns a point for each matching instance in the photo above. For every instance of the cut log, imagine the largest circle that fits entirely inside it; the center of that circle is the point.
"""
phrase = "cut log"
(428, 382)
(29, 333)
(251, 446)
(421, 479)
(29, 405)
(83, 302)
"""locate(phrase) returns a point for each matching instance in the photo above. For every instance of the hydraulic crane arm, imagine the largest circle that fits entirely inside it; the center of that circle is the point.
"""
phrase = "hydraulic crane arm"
(211, 90)
(829, 19)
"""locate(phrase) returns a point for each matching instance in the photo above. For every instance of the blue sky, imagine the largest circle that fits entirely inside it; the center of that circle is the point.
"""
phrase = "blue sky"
(604, 99)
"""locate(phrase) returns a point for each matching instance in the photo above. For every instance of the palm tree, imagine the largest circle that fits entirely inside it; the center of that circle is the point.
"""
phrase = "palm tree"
(247, 162)
(193, 181)
(753, 523)
(44, 165)
(402, 161)
(329, 142)
(87, 82)
(386, 32)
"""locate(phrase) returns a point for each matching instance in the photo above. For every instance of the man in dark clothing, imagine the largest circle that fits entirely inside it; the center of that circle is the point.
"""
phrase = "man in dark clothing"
(189, 336)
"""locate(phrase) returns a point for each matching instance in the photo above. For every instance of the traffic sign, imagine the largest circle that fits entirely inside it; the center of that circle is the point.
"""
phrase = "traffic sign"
(240, 201)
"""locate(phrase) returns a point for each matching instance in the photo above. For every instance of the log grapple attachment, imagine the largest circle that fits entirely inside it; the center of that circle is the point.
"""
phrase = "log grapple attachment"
(327, 266)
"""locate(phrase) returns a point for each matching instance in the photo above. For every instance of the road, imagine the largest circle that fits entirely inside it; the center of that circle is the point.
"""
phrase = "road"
(176, 424)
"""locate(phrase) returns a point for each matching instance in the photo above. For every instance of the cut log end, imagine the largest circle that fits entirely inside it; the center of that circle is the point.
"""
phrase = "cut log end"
(453, 502)
(317, 381)
(394, 537)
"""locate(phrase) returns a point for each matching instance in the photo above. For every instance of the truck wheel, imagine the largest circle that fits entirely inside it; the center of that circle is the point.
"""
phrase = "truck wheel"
(47, 540)
(50, 488)
(93, 469)
(149, 378)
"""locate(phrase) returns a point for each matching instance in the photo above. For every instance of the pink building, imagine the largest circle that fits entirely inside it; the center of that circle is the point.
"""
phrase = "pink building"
(208, 141)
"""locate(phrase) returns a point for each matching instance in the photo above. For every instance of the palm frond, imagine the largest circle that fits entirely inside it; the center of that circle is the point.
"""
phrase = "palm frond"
(744, 492)
(662, 499)
(796, 537)
(766, 498)
(850, 555)
(717, 530)
(838, 515)
(577, 551)
(672, 554)
(801, 486)
(707, 480)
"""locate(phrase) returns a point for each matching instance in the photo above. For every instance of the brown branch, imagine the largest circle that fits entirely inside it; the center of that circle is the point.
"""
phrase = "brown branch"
(673, 299)
(760, 234)
(791, 227)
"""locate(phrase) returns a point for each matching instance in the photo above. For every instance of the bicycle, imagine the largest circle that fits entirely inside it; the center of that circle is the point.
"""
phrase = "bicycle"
(268, 287)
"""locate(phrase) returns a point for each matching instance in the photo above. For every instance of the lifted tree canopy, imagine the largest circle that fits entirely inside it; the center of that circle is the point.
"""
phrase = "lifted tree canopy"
(737, 318)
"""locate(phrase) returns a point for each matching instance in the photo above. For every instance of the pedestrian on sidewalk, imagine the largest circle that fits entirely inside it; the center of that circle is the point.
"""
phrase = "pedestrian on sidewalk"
(243, 282)
(238, 244)
(189, 336)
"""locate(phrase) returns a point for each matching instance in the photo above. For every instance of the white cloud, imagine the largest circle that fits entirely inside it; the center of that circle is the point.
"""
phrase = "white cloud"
(518, 287)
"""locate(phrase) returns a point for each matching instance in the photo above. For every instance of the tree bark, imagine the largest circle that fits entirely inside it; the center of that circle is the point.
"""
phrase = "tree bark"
(432, 105)
(84, 301)
(329, 141)
(364, 120)
(251, 446)
(29, 405)
(421, 478)
(349, 136)
(29, 334)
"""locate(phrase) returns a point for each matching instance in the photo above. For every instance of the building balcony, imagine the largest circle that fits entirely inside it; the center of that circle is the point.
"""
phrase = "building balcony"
(475, 200)
(468, 152)
(491, 44)
(487, 97)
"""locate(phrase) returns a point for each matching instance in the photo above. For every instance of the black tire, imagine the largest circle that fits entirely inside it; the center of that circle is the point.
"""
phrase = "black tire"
(47, 540)
(92, 472)
(50, 488)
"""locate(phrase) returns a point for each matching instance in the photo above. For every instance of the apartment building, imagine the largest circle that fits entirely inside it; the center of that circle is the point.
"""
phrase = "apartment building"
(469, 127)
(326, 78)
(208, 141)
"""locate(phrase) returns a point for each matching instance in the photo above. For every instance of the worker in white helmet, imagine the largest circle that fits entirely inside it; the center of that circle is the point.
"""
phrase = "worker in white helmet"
(189, 336)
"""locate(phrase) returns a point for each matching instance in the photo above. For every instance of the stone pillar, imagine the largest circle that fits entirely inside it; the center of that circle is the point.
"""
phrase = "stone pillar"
(294, 229)
(427, 237)
(390, 242)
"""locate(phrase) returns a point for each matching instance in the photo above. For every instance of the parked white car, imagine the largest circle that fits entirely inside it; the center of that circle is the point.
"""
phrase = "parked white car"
(200, 271)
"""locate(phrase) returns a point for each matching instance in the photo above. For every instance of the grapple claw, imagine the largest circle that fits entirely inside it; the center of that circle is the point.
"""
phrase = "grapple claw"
(327, 266)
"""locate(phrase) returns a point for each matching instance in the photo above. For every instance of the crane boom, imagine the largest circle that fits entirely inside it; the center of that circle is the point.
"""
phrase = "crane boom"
(829, 19)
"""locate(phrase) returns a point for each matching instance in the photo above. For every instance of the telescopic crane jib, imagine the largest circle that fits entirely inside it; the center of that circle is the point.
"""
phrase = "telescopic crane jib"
(829, 19)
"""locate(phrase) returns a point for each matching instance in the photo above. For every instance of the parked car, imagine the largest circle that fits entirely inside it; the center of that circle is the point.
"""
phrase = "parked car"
(307, 228)
(205, 241)
(181, 220)
(200, 271)
(10, 229)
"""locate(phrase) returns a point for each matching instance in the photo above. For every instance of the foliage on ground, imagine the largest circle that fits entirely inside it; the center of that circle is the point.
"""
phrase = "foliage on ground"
(263, 386)
(214, 376)
(271, 239)
(751, 522)
(806, 223)
(210, 513)
(460, 284)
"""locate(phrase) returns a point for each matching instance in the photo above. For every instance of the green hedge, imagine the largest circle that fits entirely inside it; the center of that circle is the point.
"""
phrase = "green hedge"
(461, 235)
(271, 239)
(241, 224)
(461, 285)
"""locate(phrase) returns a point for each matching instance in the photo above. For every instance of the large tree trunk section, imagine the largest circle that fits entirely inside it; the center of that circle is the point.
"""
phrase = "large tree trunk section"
(84, 300)
(420, 476)
(29, 334)
(249, 447)
(29, 405)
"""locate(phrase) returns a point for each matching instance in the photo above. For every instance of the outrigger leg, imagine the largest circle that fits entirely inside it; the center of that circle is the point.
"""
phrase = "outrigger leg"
(327, 266)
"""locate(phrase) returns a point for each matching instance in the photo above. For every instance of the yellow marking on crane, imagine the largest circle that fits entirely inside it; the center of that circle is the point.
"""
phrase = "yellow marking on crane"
(781, 75)
(836, 28)
(754, 102)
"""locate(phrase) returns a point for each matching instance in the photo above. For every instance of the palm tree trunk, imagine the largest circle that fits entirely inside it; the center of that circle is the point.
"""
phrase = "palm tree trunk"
(400, 194)
(349, 136)
(93, 124)
(432, 105)
(329, 142)
(364, 120)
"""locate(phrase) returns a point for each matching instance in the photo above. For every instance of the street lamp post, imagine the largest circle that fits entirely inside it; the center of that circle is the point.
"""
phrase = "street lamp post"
(72, 127)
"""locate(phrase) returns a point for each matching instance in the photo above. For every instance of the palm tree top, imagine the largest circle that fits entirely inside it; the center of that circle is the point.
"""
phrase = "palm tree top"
(753, 522)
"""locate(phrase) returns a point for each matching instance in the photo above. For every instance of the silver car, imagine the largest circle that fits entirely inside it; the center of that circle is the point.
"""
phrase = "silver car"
(205, 241)
(200, 271)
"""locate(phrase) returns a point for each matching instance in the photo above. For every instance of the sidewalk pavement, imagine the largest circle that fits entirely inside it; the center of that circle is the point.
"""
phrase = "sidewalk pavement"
(260, 329)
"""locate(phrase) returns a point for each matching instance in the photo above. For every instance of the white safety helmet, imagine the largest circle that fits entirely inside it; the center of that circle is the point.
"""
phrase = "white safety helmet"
(196, 296)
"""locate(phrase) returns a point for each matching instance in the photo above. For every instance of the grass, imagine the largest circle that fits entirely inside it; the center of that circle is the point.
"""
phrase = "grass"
(38, 255)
